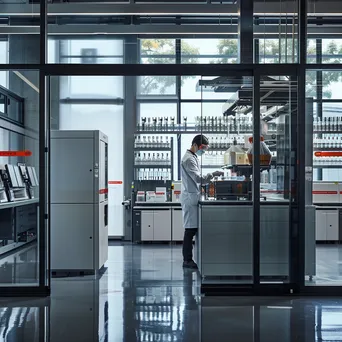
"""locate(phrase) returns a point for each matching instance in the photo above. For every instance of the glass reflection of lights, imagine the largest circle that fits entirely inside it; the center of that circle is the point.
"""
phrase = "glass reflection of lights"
(159, 317)
(328, 323)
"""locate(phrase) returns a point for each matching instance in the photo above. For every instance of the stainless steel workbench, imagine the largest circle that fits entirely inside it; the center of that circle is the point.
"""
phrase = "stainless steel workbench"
(224, 246)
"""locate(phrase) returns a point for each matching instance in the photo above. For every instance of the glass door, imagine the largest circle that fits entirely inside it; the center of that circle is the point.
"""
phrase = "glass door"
(226, 232)
(248, 211)
(275, 174)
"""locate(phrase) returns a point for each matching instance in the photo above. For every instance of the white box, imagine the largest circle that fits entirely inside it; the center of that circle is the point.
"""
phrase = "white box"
(150, 196)
(176, 191)
(160, 195)
(141, 196)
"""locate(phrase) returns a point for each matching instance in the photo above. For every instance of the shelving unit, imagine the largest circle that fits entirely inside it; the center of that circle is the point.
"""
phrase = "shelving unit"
(164, 168)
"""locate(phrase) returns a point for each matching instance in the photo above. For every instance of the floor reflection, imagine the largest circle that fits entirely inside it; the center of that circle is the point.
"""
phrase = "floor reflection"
(151, 298)
(20, 267)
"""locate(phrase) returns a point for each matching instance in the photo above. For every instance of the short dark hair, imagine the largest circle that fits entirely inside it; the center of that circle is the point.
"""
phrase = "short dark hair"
(200, 139)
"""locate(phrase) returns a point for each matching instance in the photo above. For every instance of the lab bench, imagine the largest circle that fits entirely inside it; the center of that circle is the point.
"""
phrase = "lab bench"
(224, 244)
(18, 224)
(157, 222)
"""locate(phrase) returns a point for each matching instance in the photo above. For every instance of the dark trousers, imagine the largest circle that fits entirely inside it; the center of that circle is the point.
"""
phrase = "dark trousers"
(187, 243)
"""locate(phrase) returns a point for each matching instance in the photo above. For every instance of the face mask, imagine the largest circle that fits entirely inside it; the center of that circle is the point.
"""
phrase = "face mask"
(200, 152)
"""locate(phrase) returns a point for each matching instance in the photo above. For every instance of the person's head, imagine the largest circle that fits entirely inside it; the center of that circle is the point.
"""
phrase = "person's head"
(200, 144)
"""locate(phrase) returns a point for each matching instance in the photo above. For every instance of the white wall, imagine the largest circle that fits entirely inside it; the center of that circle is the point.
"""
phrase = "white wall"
(109, 120)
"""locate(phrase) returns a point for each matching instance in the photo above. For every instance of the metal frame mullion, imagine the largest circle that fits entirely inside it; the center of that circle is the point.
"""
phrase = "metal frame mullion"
(301, 123)
(256, 181)
(44, 225)
(178, 53)
(319, 95)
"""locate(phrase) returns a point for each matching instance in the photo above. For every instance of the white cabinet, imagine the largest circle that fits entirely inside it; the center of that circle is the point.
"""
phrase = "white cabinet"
(156, 225)
(327, 225)
(177, 225)
(147, 225)
(162, 225)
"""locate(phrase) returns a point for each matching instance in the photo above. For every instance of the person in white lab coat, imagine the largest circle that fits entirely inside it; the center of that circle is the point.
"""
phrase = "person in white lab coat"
(192, 180)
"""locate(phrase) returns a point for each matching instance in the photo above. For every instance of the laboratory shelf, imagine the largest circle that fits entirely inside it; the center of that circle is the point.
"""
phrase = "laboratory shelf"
(149, 149)
(327, 166)
(327, 132)
(152, 166)
(198, 131)
(211, 166)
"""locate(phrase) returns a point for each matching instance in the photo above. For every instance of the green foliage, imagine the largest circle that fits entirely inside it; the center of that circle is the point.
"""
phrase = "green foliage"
(163, 51)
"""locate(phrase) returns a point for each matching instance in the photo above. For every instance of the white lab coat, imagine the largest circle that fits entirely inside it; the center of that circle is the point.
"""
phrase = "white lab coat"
(191, 189)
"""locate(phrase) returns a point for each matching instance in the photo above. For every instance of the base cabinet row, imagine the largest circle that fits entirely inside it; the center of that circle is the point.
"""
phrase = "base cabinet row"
(160, 225)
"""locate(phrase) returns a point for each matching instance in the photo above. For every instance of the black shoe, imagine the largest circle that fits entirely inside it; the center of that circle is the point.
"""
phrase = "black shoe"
(189, 264)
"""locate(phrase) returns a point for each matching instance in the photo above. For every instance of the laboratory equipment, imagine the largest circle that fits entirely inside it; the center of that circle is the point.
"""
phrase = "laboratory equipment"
(79, 200)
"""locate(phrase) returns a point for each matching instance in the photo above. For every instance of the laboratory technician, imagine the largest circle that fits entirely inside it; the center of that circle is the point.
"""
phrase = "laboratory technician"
(191, 193)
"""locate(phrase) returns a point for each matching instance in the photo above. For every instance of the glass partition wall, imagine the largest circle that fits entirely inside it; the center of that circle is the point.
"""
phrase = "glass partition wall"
(272, 171)
(249, 183)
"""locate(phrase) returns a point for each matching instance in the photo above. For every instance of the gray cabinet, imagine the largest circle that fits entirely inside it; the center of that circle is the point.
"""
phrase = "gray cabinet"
(147, 225)
(162, 225)
(156, 225)
(327, 225)
(177, 225)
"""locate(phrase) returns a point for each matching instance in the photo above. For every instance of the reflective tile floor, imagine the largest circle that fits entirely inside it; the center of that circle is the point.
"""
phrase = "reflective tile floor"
(144, 295)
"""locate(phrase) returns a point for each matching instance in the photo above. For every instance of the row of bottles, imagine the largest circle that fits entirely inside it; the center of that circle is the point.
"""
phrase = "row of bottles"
(327, 160)
(202, 123)
(156, 124)
(224, 142)
(328, 142)
(154, 174)
(152, 142)
(156, 159)
(327, 124)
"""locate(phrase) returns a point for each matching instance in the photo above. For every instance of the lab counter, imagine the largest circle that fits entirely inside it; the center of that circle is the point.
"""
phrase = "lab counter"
(224, 246)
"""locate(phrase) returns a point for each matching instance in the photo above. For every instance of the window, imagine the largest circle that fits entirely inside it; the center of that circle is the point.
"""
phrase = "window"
(157, 51)
(4, 60)
(273, 51)
(91, 51)
(190, 89)
(209, 51)
(332, 51)
(99, 87)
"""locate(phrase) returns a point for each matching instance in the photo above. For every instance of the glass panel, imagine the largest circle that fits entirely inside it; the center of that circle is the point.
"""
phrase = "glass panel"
(209, 51)
(91, 111)
(156, 85)
(312, 51)
(90, 50)
(190, 89)
(19, 187)
(276, 51)
(158, 51)
(225, 239)
(278, 113)
(277, 36)
(102, 87)
(324, 137)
